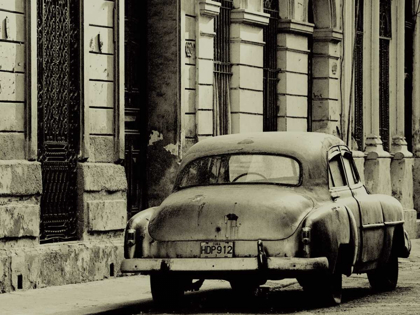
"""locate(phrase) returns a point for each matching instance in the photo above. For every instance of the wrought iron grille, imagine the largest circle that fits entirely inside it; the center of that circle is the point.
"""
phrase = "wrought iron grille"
(385, 36)
(58, 114)
(358, 78)
(408, 67)
(385, 18)
(270, 66)
(384, 92)
(135, 105)
(222, 70)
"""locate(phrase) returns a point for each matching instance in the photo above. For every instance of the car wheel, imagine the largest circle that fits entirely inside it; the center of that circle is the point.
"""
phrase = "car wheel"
(325, 287)
(385, 277)
(243, 288)
(167, 289)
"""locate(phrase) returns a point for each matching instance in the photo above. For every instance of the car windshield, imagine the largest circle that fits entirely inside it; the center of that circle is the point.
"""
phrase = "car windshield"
(240, 168)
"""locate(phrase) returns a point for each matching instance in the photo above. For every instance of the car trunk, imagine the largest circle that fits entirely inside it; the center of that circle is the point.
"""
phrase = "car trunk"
(230, 212)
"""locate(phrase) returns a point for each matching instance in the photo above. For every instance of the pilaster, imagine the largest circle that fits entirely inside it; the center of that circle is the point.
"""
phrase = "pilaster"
(206, 11)
(326, 87)
(246, 37)
(292, 61)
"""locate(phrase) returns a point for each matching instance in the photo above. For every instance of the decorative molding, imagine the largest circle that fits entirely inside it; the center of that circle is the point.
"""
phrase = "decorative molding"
(295, 50)
(399, 148)
(209, 8)
(328, 35)
(374, 148)
(249, 17)
(244, 41)
(296, 27)
(205, 34)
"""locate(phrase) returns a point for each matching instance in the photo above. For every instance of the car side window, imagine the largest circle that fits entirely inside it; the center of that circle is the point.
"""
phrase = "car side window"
(350, 170)
(336, 171)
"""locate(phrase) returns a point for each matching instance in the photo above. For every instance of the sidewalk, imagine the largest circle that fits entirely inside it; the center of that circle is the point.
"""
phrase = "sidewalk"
(123, 295)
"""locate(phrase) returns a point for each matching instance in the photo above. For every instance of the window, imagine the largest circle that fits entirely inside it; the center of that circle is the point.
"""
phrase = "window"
(408, 67)
(270, 66)
(351, 172)
(358, 77)
(384, 43)
(240, 169)
(336, 171)
(222, 70)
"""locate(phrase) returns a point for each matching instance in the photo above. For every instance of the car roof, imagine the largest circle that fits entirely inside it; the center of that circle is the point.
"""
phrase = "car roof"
(309, 148)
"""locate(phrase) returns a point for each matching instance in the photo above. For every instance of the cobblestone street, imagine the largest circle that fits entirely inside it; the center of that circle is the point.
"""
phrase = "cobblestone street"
(131, 295)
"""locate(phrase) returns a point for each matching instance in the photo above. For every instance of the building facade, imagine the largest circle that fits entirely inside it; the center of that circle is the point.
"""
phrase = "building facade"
(101, 98)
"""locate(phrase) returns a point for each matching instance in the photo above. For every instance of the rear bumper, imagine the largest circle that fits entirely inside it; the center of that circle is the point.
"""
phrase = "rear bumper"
(289, 265)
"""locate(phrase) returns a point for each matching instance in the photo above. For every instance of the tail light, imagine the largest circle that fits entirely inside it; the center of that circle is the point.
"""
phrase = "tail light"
(306, 240)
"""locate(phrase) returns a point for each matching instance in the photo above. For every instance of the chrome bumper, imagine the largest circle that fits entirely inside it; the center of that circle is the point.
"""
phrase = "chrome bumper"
(223, 264)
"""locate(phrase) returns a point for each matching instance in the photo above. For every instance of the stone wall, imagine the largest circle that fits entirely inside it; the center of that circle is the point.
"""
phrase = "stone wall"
(101, 184)
(12, 77)
(164, 98)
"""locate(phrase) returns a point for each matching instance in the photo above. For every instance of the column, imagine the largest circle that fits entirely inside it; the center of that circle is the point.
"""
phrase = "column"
(326, 108)
(292, 61)
(207, 10)
(246, 35)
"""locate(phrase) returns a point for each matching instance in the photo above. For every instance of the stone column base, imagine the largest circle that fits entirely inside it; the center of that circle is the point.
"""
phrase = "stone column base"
(410, 222)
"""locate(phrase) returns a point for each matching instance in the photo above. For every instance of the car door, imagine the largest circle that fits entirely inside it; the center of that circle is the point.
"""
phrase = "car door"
(372, 227)
(339, 188)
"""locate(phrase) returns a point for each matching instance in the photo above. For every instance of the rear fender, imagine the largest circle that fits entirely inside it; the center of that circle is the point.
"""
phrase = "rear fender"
(138, 225)
(330, 227)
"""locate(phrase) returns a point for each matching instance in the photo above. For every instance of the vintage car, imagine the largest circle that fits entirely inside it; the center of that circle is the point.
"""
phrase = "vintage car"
(251, 207)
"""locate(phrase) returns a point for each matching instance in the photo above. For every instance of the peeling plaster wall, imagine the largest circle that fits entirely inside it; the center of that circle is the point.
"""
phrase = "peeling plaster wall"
(102, 186)
(163, 95)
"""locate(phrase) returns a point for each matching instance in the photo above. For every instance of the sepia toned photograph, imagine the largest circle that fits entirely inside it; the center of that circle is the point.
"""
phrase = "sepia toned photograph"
(209, 157)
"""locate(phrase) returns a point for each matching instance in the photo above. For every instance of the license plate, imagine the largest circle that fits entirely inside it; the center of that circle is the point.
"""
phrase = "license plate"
(216, 249)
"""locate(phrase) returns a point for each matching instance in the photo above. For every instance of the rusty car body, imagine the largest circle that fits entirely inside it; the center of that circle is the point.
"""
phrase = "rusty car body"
(251, 207)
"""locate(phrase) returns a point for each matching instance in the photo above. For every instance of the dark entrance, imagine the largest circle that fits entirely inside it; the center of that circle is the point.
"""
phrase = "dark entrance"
(136, 135)
(58, 116)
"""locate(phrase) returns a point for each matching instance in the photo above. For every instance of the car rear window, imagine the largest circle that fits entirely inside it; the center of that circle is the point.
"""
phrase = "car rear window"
(239, 169)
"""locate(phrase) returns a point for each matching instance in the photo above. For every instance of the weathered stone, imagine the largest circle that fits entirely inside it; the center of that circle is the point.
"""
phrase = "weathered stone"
(416, 183)
(402, 181)
(107, 215)
(243, 122)
(102, 149)
(20, 178)
(410, 222)
(359, 160)
(378, 175)
(19, 220)
(101, 177)
(59, 264)
(12, 146)
(377, 166)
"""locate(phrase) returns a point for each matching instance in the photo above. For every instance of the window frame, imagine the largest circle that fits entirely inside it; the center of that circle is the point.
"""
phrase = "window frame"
(332, 154)
(177, 186)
